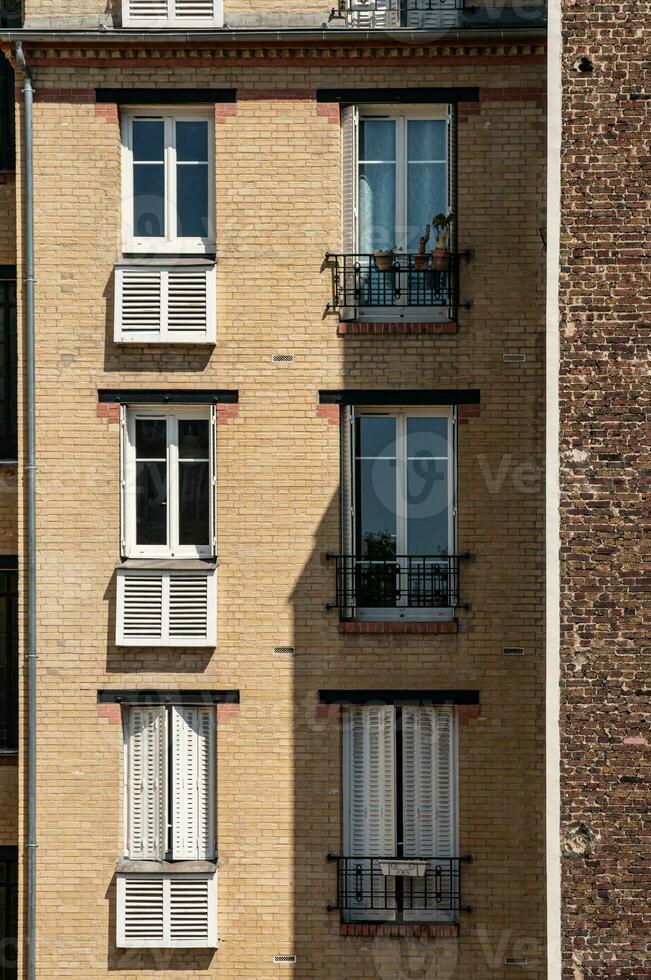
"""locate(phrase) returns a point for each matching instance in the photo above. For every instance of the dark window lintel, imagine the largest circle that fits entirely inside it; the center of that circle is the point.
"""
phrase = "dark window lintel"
(394, 396)
(363, 697)
(164, 96)
(166, 396)
(389, 96)
(168, 697)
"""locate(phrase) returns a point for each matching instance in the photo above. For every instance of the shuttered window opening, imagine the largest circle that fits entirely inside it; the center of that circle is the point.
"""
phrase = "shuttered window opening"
(166, 910)
(165, 305)
(170, 783)
(165, 13)
(400, 776)
(166, 608)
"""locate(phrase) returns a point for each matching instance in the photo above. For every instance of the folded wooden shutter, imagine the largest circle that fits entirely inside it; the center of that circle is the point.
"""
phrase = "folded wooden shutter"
(369, 807)
(429, 817)
(146, 783)
(193, 783)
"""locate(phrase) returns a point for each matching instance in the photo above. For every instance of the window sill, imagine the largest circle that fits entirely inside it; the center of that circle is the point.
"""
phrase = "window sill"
(390, 931)
(8, 462)
(169, 564)
(156, 260)
(127, 866)
(348, 627)
(399, 328)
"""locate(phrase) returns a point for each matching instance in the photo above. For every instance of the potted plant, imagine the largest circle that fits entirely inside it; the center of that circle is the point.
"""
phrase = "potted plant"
(421, 259)
(441, 250)
(384, 259)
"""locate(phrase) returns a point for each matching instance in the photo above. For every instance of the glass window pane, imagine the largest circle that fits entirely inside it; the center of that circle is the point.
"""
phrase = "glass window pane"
(151, 503)
(194, 437)
(151, 438)
(192, 200)
(149, 200)
(377, 140)
(426, 139)
(426, 197)
(427, 486)
(148, 139)
(427, 436)
(194, 503)
(376, 508)
(377, 206)
(192, 141)
(376, 436)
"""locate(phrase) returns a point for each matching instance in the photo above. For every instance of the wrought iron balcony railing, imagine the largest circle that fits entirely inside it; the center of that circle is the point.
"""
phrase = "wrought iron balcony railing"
(387, 14)
(360, 285)
(399, 889)
(411, 581)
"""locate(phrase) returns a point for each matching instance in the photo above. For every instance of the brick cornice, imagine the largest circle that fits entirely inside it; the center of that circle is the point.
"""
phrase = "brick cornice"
(121, 53)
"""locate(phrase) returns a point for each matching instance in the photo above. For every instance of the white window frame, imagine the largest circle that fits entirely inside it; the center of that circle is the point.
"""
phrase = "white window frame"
(170, 244)
(168, 805)
(401, 412)
(401, 116)
(172, 415)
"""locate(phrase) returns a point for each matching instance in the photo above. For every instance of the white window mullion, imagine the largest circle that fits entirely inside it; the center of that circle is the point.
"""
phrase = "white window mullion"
(401, 182)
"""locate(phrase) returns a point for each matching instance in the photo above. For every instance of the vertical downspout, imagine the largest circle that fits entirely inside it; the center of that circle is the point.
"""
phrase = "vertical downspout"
(30, 471)
(552, 468)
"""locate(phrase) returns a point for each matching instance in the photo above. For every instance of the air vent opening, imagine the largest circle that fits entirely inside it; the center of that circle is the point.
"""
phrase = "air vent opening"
(282, 358)
(284, 958)
(516, 961)
(513, 651)
(513, 358)
(284, 651)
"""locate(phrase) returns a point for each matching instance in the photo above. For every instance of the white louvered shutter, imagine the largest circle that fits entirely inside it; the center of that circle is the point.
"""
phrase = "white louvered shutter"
(166, 911)
(165, 305)
(376, 14)
(429, 817)
(370, 828)
(193, 783)
(141, 911)
(165, 13)
(166, 608)
(146, 783)
(349, 153)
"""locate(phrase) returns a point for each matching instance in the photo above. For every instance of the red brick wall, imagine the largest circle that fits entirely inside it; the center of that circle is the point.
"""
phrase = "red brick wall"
(605, 306)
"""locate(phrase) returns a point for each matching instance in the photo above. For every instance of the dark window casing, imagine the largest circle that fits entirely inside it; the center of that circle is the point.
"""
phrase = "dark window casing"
(8, 369)
(8, 658)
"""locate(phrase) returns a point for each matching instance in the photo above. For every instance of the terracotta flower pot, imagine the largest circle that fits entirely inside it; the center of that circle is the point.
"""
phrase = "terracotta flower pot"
(384, 261)
(441, 260)
(421, 262)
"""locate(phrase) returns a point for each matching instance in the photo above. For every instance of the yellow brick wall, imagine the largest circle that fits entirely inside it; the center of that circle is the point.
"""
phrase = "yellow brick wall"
(8, 804)
(279, 797)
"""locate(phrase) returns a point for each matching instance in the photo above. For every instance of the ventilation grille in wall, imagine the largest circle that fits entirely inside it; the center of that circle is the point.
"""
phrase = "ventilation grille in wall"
(282, 358)
(514, 358)
(166, 608)
(284, 651)
(166, 910)
(164, 305)
(280, 958)
(164, 13)
(515, 961)
(513, 651)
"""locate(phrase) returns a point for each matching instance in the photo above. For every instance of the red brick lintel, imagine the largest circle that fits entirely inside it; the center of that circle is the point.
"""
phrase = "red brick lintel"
(388, 931)
(356, 627)
(9, 759)
(398, 329)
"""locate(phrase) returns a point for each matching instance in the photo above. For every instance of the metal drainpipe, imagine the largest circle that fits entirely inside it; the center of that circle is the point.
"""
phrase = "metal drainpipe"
(30, 471)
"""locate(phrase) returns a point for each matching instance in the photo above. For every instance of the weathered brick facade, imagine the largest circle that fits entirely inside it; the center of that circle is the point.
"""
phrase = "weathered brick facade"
(278, 205)
(605, 304)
